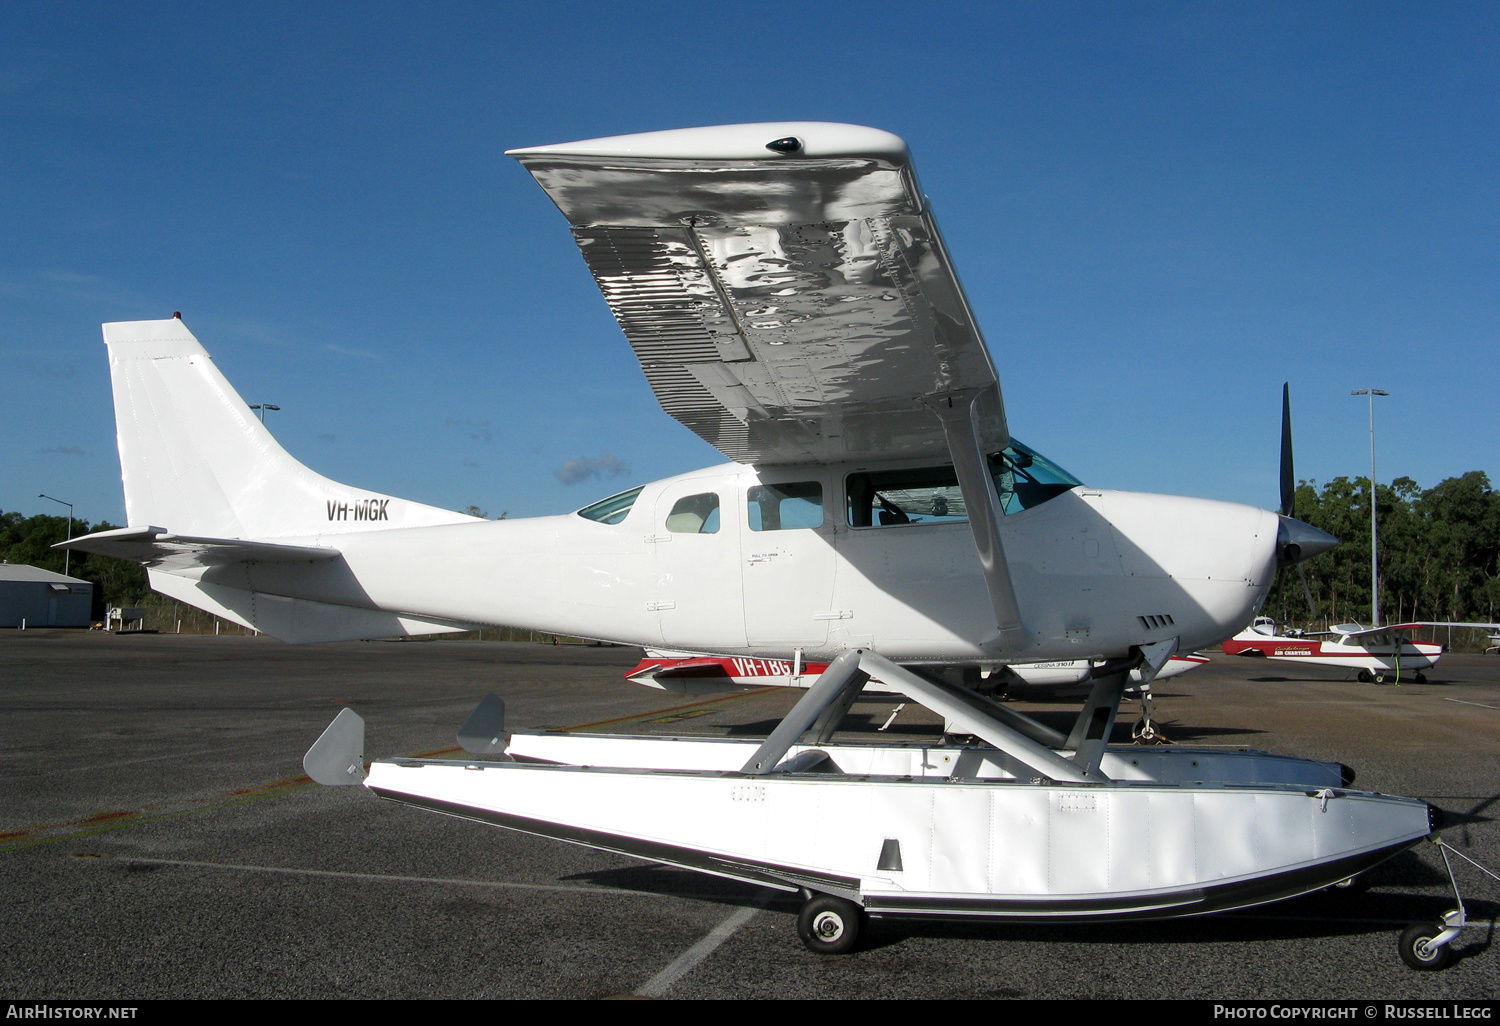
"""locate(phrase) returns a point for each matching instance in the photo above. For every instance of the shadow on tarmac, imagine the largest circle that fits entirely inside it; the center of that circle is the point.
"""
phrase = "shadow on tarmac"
(1382, 900)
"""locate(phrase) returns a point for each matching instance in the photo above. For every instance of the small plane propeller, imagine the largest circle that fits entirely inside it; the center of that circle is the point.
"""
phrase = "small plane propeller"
(1288, 478)
(1296, 541)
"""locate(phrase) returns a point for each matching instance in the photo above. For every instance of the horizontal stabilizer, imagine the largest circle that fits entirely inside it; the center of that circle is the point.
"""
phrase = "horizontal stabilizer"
(158, 547)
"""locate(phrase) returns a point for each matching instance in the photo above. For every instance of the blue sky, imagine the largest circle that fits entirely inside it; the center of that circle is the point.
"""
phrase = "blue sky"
(1160, 212)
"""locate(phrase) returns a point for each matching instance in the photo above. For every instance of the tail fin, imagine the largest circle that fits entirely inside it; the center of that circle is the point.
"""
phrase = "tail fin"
(196, 461)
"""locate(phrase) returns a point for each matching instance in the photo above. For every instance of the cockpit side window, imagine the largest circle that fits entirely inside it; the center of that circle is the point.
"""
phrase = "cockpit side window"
(611, 510)
(895, 498)
(785, 507)
(695, 514)
(930, 495)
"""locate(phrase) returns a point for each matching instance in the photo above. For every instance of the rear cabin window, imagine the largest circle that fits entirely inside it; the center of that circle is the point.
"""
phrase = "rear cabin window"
(611, 510)
(785, 507)
(695, 514)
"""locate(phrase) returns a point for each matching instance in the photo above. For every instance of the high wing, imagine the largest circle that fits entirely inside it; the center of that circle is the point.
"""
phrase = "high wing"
(784, 286)
(1354, 630)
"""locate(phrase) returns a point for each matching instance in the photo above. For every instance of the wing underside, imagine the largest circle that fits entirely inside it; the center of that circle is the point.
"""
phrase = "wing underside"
(789, 306)
(1351, 630)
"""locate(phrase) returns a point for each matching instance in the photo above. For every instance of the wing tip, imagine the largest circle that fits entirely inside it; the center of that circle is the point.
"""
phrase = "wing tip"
(735, 142)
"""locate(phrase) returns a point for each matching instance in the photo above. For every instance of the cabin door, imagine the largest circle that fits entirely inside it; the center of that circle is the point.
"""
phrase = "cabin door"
(697, 562)
(787, 555)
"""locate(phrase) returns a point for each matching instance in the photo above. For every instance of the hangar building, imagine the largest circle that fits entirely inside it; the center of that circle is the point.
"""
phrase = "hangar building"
(43, 598)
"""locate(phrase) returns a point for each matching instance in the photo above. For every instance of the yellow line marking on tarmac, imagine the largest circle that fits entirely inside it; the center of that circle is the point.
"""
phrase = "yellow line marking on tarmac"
(116, 819)
(670, 710)
(103, 822)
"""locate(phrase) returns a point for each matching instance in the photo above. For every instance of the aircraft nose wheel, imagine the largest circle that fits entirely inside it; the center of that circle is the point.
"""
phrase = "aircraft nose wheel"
(829, 925)
(1145, 731)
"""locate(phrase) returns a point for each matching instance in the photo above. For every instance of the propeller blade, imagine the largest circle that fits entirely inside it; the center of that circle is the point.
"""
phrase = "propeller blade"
(1288, 476)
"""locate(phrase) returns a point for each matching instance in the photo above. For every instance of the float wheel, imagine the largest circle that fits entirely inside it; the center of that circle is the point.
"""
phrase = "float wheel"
(1416, 951)
(829, 925)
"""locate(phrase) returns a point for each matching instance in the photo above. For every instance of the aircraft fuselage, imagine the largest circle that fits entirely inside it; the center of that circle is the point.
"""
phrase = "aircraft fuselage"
(1095, 572)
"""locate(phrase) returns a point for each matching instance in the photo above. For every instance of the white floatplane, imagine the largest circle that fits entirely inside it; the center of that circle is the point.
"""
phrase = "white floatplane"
(790, 299)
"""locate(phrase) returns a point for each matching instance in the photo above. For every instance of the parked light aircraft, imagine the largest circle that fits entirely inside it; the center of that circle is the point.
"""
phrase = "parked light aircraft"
(689, 673)
(790, 300)
(1378, 653)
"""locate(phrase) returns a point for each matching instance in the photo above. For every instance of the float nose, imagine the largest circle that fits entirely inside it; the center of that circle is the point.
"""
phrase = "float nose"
(1297, 541)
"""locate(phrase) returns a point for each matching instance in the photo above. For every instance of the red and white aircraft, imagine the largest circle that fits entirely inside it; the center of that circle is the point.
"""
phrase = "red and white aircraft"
(689, 674)
(1378, 653)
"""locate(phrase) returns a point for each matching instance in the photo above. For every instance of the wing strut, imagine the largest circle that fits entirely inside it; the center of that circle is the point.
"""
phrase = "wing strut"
(961, 427)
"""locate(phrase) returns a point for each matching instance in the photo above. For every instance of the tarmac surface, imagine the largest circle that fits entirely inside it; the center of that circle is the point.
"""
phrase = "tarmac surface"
(158, 840)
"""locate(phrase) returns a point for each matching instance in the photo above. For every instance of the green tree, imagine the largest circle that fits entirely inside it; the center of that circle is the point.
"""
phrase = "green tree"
(1439, 551)
(29, 540)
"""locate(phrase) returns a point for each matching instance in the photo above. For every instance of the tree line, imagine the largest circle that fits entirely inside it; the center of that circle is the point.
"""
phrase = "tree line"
(1437, 548)
(117, 582)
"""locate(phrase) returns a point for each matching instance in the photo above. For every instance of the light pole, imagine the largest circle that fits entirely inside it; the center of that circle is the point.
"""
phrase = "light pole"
(66, 552)
(261, 408)
(1374, 570)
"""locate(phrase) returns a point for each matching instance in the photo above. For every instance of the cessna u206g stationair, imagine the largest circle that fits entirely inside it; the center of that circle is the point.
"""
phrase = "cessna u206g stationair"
(790, 300)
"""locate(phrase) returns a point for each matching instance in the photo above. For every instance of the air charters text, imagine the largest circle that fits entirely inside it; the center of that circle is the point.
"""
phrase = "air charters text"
(365, 509)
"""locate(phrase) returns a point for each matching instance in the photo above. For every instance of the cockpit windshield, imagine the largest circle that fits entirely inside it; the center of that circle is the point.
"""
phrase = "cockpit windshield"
(611, 510)
(1025, 478)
